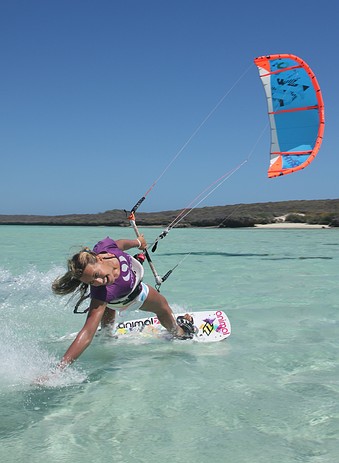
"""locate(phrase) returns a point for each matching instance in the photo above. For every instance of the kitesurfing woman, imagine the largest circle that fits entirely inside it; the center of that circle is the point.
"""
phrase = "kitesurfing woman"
(114, 279)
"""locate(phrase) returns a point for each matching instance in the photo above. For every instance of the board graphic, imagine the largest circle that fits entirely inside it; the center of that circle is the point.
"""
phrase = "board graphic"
(210, 326)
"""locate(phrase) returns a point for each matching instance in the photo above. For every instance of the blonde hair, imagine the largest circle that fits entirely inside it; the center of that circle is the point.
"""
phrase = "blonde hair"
(70, 281)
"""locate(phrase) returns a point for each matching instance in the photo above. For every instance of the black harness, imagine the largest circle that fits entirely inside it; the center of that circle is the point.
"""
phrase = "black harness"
(135, 293)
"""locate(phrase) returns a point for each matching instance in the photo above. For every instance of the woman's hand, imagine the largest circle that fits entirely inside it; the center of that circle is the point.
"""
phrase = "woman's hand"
(139, 243)
(143, 244)
(86, 334)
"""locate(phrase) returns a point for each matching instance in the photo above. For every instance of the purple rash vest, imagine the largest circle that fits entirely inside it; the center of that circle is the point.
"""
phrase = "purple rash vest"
(123, 285)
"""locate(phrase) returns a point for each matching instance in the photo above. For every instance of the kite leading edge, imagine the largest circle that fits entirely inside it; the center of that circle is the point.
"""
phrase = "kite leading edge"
(295, 109)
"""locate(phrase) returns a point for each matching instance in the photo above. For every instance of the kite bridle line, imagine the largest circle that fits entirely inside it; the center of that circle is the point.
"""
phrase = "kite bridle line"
(195, 203)
(184, 213)
(209, 190)
(188, 141)
(158, 279)
(131, 216)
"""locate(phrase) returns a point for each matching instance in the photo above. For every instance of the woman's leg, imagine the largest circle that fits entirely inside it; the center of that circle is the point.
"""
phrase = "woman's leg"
(157, 304)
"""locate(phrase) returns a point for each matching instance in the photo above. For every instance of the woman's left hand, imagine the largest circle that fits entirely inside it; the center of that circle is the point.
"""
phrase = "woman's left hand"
(143, 242)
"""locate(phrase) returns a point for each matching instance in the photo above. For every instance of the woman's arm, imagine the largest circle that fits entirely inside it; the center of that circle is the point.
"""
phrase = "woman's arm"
(86, 334)
(125, 245)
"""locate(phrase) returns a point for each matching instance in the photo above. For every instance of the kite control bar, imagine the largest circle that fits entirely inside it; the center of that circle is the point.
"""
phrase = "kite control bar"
(136, 206)
(158, 279)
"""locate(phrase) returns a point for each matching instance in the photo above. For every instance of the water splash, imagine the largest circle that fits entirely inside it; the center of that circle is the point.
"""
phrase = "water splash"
(26, 303)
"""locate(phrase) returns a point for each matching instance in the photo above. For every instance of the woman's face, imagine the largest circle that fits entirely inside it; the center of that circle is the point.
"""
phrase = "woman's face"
(100, 273)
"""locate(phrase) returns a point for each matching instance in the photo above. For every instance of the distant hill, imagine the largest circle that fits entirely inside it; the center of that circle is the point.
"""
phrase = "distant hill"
(325, 212)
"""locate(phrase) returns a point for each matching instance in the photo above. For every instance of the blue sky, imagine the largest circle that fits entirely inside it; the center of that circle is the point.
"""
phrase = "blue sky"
(98, 98)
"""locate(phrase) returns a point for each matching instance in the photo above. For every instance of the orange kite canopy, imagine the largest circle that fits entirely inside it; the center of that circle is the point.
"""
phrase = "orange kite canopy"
(295, 110)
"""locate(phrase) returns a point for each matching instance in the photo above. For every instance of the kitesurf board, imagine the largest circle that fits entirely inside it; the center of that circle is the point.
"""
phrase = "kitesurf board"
(210, 326)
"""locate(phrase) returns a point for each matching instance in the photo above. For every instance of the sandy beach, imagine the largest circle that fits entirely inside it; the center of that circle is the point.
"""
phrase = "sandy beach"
(290, 225)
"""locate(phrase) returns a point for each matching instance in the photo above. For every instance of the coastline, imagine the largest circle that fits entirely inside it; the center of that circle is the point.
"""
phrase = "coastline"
(321, 213)
(290, 225)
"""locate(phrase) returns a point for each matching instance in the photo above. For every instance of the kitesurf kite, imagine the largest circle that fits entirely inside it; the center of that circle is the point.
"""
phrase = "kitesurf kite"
(296, 112)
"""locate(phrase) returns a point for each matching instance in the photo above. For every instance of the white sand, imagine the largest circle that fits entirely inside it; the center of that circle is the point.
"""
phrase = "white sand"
(290, 225)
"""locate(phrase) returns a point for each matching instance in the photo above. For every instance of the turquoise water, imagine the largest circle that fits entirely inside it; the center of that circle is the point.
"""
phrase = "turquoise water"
(269, 393)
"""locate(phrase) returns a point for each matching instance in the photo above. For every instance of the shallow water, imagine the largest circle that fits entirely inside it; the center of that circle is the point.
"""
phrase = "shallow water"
(268, 393)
